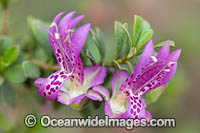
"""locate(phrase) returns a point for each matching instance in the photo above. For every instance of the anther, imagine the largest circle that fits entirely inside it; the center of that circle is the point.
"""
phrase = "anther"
(154, 58)
(57, 36)
(52, 25)
(171, 63)
(167, 70)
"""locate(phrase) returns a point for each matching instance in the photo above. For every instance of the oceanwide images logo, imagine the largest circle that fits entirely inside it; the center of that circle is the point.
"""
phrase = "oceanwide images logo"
(46, 121)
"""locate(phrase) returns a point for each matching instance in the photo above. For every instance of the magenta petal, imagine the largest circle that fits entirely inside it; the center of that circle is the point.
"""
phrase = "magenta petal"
(39, 81)
(93, 75)
(145, 58)
(75, 21)
(64, 23)
(148, 115)
(164, 51)
(108, 110)
(50, 86)
(173, 57)
(79, 37)
(56, 20)
(136, 107)
(102, 91)
(118, 79)
(94, 95)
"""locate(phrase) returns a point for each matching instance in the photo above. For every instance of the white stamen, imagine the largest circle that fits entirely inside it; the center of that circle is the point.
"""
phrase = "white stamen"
(53, 24)
(171, 63)
(154, 58)
(57, 36)
(167, 70)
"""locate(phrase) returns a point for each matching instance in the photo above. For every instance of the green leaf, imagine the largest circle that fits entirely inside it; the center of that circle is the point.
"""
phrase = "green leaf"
(153, 95)
(1, 80)
(90, 57)
(11, 55)
(120, 37)
(97, 37)
(40, 35)
(5, 43)
(145, 36)
(142, 32)
(8, 93)
(15, 74)
(137, 28)
(159, 45)
(2, 65)
(129, 41)
(30, 69)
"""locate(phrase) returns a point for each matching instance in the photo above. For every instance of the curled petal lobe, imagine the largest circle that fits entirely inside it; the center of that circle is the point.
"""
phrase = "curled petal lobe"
(102, 91)
(70, 98)
(94, 95)
(51, 85)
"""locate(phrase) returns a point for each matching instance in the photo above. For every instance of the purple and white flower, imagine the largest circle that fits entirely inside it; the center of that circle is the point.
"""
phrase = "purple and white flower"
(72, 83)
(150, 73)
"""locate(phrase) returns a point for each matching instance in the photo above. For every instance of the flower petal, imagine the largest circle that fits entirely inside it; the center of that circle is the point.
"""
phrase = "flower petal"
(64, 24)
(75, 21)
(93, 76)
(94, 95)
(117, 80)
(69, 98)
(79, 37)
(136, 107)
(164, 51)
(156, 75)
(50, 86)
(53, 29)
(145, 58)
(102, 91)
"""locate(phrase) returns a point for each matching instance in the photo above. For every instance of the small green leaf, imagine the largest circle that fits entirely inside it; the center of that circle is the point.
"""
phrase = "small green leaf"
(145, 36)
(129, 41)
(30, 69)
(15, 74)
(11, 55)
(40, 35)
(2, 65)
(8, 93)
(159, 45)
(5, 43)
(120, 37)
(137, 28)
(91, 58)
(153, 95)
(1, 80)
(97, 37)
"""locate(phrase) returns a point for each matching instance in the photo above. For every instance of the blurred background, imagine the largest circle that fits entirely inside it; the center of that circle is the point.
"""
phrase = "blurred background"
(177, 20)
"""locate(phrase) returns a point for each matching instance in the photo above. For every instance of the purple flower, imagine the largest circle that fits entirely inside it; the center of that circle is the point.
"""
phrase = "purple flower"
(150, 73)
(66, 47)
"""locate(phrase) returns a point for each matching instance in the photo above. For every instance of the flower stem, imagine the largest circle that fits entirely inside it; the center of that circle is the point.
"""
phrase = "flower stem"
(44, 66)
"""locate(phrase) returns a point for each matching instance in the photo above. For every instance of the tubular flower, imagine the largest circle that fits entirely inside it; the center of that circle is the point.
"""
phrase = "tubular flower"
(150, 73)
(66, 47)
